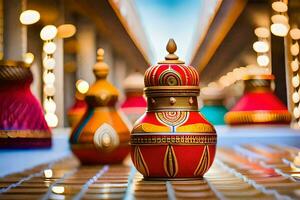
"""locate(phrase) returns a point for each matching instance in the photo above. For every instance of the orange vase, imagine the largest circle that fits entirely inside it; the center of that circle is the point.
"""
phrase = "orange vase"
(172, 140)
(102, 136)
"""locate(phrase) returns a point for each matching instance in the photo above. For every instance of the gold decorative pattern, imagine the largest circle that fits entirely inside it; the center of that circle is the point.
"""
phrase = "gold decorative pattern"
(139, 161)
(176, 140)
(170, 162)
(106, 138)
(172, 118)
(24, 134)
(170, 77)
(248, 117)
(194, 74)
(203, 164)
(194, 128)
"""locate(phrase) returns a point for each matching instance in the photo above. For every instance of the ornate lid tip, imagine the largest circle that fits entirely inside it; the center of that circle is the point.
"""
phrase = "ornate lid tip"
(100, 54)
(100, 69)
(172, 57)
(171, 46)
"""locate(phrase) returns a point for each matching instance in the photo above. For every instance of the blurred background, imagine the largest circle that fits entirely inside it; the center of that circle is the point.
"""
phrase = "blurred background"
(218, 37)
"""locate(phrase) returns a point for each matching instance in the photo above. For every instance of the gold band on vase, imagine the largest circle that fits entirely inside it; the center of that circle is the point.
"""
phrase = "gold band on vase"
(169, 91)
(24, 134)
(173, 139)
(250, 117)
(172, 103)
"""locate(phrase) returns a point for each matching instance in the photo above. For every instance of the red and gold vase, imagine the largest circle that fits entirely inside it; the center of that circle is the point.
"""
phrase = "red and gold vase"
(102, 136)
(258, 105)
(172, 140)
(22, 122)
(135, 103)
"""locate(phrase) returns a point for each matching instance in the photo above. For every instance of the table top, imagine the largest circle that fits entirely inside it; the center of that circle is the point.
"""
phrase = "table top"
(17, 160)
(240, 172)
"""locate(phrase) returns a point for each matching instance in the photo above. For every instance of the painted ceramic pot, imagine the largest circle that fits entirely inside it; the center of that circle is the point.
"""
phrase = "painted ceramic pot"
(172, 140)
(102, 136)
(258, 105)
(22, 122)
(135, 103)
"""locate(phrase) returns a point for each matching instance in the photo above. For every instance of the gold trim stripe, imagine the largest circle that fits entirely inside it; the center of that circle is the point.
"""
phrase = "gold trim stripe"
(174, 140)
(174, 134)
(25, 134)
(248, 117)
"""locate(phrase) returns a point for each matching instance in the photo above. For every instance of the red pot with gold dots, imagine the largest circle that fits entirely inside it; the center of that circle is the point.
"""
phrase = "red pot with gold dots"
(172, 140)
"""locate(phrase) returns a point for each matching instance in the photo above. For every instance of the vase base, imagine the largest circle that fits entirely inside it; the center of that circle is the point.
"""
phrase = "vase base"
(25, 143)
(172, 179)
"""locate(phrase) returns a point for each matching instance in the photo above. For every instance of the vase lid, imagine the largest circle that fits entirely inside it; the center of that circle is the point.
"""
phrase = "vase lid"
(101, 93)
(171, 71)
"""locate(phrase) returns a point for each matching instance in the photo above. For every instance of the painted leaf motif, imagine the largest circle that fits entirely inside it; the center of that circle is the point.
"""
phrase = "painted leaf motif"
(170, 162)
(139, 162)
(203, 164)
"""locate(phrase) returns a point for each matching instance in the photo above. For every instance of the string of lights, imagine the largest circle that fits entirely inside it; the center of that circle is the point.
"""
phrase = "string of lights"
(48, 33)
(294, 64)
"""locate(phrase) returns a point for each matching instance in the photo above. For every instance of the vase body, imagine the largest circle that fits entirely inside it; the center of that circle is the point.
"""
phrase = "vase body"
(22, 122)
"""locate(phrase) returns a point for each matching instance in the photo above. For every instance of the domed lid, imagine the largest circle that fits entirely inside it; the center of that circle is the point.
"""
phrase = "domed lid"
(134, 82)
(171, 71)
(101, 93)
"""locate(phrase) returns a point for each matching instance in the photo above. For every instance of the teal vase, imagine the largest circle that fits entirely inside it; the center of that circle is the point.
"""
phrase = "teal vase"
(214, 113)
